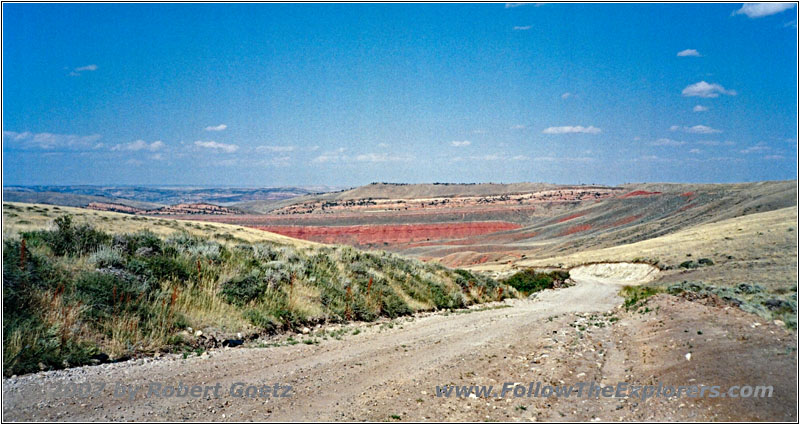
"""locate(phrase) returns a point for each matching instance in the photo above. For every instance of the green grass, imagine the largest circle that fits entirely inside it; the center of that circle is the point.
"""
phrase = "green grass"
(74, 293)
(636, 296)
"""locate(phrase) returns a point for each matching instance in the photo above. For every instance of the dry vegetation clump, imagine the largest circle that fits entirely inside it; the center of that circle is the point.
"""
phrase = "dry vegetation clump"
(777, 305)
(74, 295)
(529, 280)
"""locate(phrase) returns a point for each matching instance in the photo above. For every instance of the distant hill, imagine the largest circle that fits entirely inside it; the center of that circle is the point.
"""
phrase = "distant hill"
(465, 224)
(408, 191)
(70, 199)
(151, 197)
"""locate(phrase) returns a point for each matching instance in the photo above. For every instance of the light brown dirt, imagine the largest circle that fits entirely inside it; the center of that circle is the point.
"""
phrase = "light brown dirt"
(383, 374)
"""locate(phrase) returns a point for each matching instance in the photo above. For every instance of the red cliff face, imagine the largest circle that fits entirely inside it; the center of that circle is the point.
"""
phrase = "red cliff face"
(639, 193)
(390, 234)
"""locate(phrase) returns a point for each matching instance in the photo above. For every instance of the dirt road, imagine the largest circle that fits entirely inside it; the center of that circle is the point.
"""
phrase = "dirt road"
(381, 373)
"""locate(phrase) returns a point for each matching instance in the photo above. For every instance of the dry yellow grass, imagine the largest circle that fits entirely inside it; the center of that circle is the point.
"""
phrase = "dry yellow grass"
(758, 247)
(198, 302)
(754, 235)
(20, 217)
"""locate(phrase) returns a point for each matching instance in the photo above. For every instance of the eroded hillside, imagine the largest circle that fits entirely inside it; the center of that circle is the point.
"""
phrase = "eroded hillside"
(467, 225)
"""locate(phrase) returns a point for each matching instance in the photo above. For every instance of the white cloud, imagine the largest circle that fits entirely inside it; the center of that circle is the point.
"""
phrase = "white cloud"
(507, 157)
(774, 157)
(91, 67)
(339, 156)
(221, 147)
(522, 28)
(567, 95)
(695, 150)
(457, 143)
(49, 141)
(77, 71)
(216, 127)
(381, 157)
(755, 149)
(571, 129)
(702, 129)
(695, 129)
(689, 52)
(563, 159)
(139, 145)
(14, 136)
(491, 157)
(519, 127)
(667, 142)
(652, 158)
(759, 10)
(699, 108)
(265, 148)
(488, 157)
(278, 161)
(334, 156)
(715, 143)
(706, 90)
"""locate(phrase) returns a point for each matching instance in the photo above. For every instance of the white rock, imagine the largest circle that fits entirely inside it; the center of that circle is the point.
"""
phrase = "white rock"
(306, 330)
(688, 356)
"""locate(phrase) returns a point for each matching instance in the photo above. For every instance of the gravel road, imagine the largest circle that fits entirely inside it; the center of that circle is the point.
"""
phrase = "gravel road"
(378, 374)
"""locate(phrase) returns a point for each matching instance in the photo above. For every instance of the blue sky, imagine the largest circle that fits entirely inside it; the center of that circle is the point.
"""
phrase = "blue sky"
(273, 94)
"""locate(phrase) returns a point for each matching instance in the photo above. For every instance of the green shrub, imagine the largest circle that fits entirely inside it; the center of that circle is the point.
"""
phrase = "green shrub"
(106, 256)
(260, 320)
(242, 290)
(124, 289)
(106, 293)
(529, 280)
(636, 296)
(394, 306)
(68, 239)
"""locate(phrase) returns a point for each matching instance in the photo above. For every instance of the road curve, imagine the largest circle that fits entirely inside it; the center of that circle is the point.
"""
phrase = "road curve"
(328, 380)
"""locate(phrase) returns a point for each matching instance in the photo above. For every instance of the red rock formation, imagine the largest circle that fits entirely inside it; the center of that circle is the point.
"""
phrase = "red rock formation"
(576, 229)
(107, 206)
(625, 220)
(570, 217)
(390, 234)
(639, 193)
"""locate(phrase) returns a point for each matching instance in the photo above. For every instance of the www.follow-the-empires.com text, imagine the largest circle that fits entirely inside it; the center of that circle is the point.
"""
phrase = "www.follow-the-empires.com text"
(595, 390)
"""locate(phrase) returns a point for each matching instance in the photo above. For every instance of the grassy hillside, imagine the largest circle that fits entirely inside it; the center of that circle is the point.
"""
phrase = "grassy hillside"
(74, 292)
(768, 235)
(21, 217)
(70, 199)
(643, 212)
(401, 191)
(150, 197)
